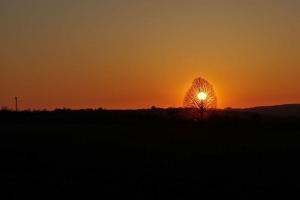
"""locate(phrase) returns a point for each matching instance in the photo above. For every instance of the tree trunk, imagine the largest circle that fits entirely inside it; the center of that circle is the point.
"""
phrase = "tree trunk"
(201, 113)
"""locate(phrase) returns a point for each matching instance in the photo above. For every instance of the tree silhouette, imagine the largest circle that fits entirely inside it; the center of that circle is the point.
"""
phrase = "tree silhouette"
(200, 96)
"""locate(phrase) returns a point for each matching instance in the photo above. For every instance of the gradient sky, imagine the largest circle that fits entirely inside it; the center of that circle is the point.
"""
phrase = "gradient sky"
(124, 54)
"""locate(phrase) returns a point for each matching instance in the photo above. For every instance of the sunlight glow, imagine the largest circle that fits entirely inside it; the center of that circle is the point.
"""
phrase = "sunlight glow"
(202, 96)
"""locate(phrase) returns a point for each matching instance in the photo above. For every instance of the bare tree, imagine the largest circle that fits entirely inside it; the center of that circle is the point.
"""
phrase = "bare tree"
(200, 96)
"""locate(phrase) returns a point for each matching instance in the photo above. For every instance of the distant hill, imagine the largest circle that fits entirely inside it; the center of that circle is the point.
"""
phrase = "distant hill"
(276, 110)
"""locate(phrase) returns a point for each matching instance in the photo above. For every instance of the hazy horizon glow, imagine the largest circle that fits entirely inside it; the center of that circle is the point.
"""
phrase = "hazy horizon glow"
(133, 54)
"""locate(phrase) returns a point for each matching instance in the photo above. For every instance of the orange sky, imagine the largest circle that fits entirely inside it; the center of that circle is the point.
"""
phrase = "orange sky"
(118, 54)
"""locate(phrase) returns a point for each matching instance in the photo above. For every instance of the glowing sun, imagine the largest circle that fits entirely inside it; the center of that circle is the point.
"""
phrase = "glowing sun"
(202, 96)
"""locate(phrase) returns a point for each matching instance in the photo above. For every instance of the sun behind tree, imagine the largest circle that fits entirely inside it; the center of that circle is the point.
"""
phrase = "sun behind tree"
(200, 96)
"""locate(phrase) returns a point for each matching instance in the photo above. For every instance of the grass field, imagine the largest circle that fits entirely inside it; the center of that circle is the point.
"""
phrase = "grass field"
(150, 159)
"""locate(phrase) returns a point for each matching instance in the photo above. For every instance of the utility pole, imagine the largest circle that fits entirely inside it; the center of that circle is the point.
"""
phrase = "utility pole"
(16, 103)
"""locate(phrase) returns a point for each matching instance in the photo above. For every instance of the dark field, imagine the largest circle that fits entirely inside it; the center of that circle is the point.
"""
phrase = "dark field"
(59, 156)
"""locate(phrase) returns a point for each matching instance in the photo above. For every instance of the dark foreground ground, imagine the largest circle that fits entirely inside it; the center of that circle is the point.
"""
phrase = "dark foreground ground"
(150, 159)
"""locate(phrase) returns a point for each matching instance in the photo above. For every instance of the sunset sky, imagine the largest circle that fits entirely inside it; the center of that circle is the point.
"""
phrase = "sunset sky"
(129, 54)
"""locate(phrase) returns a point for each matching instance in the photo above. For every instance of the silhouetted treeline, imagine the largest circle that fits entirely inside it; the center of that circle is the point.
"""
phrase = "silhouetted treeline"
(89, 115)
(140, 115)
